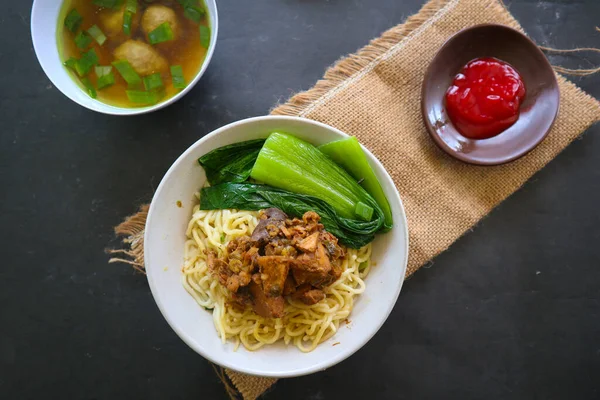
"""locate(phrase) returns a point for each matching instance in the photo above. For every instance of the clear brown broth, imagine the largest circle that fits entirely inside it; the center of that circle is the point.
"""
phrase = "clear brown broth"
(186, 50)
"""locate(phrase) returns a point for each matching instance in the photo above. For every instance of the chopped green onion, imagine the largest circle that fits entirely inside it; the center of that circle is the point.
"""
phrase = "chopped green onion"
(141, 97)
(177, 76)
(223, 237)
(102, 70)
(194, 13)
(70, 63)
(363, 211)
(105, 76)
(363, 265)
(162, 33)
(97, 34)
(86, 62)
(73, 20)
(127, 22)
(153, 82)
(82, 40)
(90, 88)
(187, 3)
(131, 6)
(105, 80)
(108, 3)
(204, 36)
(127, 72)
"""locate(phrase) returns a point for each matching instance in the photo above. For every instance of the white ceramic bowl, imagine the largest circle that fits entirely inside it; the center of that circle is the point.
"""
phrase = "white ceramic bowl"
(44, 24)
(164, 244)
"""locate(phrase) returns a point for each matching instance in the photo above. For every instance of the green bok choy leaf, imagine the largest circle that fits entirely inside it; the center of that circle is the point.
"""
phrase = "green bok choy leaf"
(247, 196)
(231, 163)
(349, 155)
(288, 163)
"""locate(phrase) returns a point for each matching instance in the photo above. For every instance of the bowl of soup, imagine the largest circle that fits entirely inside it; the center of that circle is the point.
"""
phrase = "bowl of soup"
(124, 57)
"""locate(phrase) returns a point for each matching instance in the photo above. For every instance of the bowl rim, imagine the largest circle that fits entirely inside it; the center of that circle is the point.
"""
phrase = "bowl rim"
(110, 109)
(315, 367)
(433, 133)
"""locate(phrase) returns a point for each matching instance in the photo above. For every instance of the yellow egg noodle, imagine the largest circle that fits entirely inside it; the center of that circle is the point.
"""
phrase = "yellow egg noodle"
(303, 325)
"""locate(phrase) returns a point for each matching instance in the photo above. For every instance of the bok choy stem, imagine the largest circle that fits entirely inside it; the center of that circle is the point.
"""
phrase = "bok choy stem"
(289, 163)
(349, 155)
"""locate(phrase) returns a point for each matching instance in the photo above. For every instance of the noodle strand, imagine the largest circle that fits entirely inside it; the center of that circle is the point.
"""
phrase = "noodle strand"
(304, 325)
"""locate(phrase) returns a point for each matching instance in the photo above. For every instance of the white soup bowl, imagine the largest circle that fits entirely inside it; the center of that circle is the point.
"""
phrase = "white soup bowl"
(169, 214)
(44, 33)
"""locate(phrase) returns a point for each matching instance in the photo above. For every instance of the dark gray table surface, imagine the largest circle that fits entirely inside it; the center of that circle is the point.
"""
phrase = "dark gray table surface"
(511, 311)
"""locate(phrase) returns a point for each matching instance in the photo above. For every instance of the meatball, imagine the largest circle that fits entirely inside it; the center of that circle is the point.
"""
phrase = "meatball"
(112, 22)
(156, 15)
(144, 59)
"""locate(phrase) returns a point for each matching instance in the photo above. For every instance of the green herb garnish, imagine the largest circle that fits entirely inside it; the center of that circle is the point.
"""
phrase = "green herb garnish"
(89, 87)
(86, 62)
(187, 3)
(106, 81)
(97, 34)
(127, 72)
(106, 76)
(162, 33)
(102, 70)
(141, 97)
(131, 6)
(70, 63)
(194, 13)
(73, 20)
(363, 265)
(127, 22)
(204, 36)
(82, 40)
(178, 79)
(153, 82)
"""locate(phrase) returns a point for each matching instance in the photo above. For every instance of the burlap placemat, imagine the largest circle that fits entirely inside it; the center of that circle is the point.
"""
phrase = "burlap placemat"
(375, 95)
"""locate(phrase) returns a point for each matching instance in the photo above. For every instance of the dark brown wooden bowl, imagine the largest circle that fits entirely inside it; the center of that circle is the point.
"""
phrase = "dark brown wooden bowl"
(538, 111)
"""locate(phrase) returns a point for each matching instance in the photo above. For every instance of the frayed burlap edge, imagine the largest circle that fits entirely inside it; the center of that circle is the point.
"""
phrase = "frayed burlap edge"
(239, 385)
(132, 232)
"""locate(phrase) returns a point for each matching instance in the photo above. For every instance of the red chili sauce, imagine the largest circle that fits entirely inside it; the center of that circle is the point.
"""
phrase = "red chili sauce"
(484, 98)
